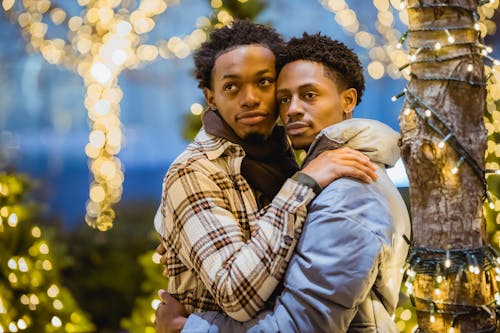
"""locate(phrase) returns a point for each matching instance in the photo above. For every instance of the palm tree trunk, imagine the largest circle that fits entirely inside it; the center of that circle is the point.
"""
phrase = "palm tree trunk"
(443, 146)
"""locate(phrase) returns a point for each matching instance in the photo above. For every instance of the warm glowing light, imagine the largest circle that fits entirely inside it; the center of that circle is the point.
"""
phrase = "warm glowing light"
(56, 322)
(12, 263)
(12, 220)
(428, 113)
(36, 232)
(119, 57)
(123, 28)
(97, 193)
(4, 211)
(34, 299)
(22, 324)
(7, 4)
(155, 303)
(22, 265)
(196, 109)
(100, 72)
(44, 248)
(156, 258)
(53, 291)
(47, 265)
(376, 70)
(57, 304)
(447, 263)
(12, 327)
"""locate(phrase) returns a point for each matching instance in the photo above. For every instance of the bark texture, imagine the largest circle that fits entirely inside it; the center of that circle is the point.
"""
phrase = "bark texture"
(446, 207)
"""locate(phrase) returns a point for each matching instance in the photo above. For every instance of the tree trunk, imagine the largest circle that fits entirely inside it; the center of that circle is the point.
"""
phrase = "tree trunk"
(444, 104)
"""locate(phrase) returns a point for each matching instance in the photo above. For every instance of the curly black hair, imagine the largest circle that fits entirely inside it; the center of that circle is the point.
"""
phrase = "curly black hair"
(227, 38)
(342, 64)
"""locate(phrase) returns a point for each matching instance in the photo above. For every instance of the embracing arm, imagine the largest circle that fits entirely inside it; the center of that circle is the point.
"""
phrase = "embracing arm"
(241, 274)
(331, 273)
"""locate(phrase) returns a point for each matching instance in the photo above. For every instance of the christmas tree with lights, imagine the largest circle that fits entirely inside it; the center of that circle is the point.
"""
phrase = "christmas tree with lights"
(31, 296)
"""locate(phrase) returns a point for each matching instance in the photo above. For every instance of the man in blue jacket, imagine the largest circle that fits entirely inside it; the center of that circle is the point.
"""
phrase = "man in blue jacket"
(344, 275)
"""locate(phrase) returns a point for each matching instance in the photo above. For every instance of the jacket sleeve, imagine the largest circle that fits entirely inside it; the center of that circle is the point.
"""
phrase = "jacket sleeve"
(241, 274)
(332, 271)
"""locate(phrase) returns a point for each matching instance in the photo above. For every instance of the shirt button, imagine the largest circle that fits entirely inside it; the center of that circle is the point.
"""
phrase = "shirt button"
(300, 197)
(288, 240)
(232, 150)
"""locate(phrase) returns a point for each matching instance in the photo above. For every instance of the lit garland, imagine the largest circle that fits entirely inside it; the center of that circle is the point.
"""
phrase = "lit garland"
(386, 57)
(31, 297)
(448, 269)
(102, 42)
(431, 116)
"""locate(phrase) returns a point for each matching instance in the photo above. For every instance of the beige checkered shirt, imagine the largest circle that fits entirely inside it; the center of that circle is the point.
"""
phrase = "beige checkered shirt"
(224, 253)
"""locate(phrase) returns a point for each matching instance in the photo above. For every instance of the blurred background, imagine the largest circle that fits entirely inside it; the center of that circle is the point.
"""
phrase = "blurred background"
(59, 99)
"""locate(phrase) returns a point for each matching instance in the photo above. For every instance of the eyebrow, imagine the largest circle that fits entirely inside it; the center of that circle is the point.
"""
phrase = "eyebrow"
(304, 86)
(235, 76)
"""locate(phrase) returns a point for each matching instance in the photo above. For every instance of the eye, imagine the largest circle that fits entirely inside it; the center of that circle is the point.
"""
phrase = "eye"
(229, 87)
(266, 82)
(283, 100)
(310, 95)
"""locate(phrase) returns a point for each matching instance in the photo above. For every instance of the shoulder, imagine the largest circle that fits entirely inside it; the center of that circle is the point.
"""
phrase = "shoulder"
(362, 205)
(349, 191)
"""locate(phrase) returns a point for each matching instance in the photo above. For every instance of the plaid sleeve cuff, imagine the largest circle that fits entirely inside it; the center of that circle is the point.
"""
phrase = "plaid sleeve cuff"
(307, 180)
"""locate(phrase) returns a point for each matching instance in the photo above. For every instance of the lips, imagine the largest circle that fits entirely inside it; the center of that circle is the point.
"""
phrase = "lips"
(251, 117)
(296, 128)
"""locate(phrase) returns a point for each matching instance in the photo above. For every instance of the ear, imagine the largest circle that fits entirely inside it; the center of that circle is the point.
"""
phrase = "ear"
(349, 100)
(209, 97)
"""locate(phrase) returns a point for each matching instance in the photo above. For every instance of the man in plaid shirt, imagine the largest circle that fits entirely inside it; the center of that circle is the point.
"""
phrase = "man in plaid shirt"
(234, 202)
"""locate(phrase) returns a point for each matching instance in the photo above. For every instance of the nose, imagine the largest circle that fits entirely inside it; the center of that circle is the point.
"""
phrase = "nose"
(251, 98)
(294, 108)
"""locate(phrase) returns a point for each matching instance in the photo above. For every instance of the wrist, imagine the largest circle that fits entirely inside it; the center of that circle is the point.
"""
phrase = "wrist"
(307, 180)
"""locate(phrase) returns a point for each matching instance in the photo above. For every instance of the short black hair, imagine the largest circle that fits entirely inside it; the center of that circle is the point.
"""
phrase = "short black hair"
(240, 32)
(342, 64)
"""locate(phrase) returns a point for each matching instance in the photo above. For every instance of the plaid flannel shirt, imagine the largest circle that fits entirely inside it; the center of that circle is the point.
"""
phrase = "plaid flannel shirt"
(225, 254)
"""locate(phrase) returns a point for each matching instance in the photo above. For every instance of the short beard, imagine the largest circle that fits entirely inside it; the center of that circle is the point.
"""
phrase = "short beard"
(255, 138)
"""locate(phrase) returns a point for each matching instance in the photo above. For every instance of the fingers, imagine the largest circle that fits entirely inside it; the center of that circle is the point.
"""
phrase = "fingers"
(160, 249)
(366, 175)
(354, 159)
(342, 162)
(162, 294)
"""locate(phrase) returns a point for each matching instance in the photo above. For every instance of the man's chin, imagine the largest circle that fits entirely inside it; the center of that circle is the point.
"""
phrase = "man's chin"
(300, 144)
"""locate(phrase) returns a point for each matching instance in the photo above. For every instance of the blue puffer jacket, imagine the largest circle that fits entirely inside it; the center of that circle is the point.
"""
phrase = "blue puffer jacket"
(344, 275)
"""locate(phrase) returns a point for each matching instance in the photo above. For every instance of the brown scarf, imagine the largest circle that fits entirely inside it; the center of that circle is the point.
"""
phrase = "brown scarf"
(266, 165)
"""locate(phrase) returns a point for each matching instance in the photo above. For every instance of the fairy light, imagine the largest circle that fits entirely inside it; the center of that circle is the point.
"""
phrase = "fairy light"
(451, 39)
(454, 170)
(432, 310)
(413, 57)
(401, 41)
(428, 113)
(447, 261)
(442, 143)
(491, 203)
(106, 40)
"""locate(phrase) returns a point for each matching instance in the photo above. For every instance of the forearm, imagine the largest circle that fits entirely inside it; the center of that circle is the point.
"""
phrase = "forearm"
(240, 271)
